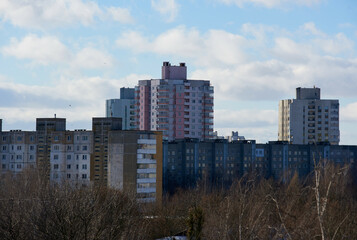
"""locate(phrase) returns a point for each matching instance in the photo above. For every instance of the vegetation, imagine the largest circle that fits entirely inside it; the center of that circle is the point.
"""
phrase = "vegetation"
(323, 206)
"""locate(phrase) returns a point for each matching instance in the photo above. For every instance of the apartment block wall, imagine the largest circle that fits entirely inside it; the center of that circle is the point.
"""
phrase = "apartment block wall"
(178, 107)
(99, 159)
(123, 108)
(309, 119)
(70, 156)
(18, 150)
(189, 162)
(135, 163)
(44, 129)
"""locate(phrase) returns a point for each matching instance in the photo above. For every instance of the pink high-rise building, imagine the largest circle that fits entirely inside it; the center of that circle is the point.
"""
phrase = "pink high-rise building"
(179, 107)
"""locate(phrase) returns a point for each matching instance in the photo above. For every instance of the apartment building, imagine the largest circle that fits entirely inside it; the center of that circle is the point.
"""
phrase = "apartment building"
(44, 129)
(18, 150)
(188, 162)
(101, 128)
(61, 155)
(308, 119)
(135, 163)
(178, 107)
(70, 156)
(123, 108)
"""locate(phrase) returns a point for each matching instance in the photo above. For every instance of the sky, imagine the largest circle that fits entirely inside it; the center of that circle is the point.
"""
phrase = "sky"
(66, 57)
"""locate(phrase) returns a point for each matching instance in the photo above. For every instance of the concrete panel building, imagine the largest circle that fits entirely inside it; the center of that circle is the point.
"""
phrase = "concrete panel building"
(70, 156)
(44, 129)
(18, 150)
(123, 108)
(189, 162)
(101, 128)
(135, 163)
(308, 119)
(178, 107)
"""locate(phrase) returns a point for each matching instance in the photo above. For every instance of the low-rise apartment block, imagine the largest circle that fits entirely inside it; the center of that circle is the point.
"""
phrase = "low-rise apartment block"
(188, 162)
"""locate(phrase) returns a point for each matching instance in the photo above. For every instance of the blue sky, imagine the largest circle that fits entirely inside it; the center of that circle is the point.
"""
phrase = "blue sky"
(68, 56)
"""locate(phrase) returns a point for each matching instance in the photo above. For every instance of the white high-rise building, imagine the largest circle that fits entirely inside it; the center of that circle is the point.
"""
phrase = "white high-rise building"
(308, 119)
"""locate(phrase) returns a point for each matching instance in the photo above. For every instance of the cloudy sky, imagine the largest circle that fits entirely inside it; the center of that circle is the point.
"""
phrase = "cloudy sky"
(68, 56)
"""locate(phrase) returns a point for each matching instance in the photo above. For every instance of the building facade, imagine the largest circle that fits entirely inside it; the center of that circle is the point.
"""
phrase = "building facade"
(18, 150)
(123, 108)
(135, 163)
(70, 156)
(308, 119)
(101, 128)
(178, 107)
(189, 162)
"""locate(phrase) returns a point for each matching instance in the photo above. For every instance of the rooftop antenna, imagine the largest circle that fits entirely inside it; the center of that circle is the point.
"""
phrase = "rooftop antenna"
(55, 115)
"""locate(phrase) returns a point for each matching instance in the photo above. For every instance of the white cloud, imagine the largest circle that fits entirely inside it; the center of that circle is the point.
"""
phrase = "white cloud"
(42, 50)
(272, 3)
(42, 14)
(121, 15)
(78, 99)
(349, 113)
(90, 58)
(245, 118)
(216, 47)
(250, 123)
(48, 50)
(48, 13)
(264, 63)
(167, 8)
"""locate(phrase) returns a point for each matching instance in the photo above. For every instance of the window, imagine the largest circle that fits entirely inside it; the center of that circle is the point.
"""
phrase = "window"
(4, 138)
(84, 157)
(19, 138)
(4, 148)
(56, 138)
(56, 147)
(4, 166)
(32, 147)
(18, 157)
(84, 148)
(84, 138)
(68, 175)
(84, 176)
(55, 157)
(31, 157)
(68, 166)
(69, 138)
(69, 148)
(18, 166)
(69, 157)
(3, 157)
(84, 166)
(55, 166)
(18, 148)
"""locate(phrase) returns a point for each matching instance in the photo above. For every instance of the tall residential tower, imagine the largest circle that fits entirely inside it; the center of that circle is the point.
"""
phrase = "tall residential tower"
(178, 107)
(123, 108)
(308, 118)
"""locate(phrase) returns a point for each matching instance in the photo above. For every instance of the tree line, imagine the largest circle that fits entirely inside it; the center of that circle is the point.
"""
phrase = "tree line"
(322, 206)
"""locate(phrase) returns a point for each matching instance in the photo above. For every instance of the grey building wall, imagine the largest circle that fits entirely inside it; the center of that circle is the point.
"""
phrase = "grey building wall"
(124, 109)
(309, 119)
